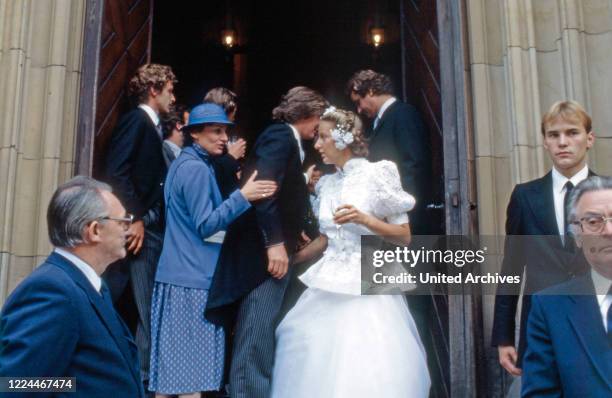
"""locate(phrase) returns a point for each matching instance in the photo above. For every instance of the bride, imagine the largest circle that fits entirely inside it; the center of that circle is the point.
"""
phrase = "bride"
(335, 342)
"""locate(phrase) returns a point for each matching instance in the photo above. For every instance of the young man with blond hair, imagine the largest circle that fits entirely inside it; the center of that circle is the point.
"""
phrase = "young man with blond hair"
(537, 208)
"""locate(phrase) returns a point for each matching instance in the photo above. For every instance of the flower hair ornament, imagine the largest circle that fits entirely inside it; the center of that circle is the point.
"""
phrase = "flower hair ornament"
(342, 137)
(329, 109)
(341, 133)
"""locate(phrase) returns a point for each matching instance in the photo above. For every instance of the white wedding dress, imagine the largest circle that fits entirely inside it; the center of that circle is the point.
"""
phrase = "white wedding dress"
(334, 342)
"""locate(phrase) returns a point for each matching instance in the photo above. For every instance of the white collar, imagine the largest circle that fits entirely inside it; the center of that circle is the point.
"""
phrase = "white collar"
(354, 163)
(152, 114)
(85, 268)
(559, 180)
(601, 284)
(175, 148)
(296, 134)
(384, 107)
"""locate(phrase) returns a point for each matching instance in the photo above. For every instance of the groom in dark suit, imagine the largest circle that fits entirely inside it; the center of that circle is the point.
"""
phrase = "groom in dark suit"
(398, 135)
(254, 260)
(536, 209)
(569, 331)
(60, 321)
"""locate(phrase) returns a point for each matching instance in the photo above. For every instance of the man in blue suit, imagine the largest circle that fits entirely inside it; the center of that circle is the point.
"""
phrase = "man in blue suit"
(60, 322)
(569, 331)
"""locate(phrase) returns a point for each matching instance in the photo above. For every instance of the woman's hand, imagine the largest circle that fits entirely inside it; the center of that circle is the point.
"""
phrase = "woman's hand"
(237, 149)
(349, 213)
(396, 234)
(257, 190)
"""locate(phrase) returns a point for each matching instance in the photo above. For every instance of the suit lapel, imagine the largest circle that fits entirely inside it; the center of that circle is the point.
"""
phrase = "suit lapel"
(385, 118)
(107, 314)
(543, 206)
(153, 127)
(584, 315)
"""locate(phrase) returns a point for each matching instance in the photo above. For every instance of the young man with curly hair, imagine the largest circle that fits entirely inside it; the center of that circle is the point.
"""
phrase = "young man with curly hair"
(136, 170)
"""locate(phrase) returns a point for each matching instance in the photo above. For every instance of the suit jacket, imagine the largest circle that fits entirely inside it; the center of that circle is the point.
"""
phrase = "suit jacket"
(56, 324)
(226, 168)
(400, 137)
(243, 260)
(135, 165)
(568, 352)
(541, 256)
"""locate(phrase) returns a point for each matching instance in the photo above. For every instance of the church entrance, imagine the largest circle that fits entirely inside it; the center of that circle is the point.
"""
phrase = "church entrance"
(317, 43)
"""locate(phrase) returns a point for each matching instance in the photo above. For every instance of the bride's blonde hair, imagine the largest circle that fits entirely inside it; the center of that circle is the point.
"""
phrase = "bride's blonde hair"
(350, 122)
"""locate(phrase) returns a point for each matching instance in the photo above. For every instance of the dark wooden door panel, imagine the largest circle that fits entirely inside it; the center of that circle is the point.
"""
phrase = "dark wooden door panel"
(125, 45)
(422, 82)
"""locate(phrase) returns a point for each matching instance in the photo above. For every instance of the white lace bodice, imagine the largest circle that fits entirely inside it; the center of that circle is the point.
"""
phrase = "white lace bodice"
(373, 188)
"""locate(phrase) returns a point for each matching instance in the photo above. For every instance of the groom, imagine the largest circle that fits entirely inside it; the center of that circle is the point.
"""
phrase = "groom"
(254, 262)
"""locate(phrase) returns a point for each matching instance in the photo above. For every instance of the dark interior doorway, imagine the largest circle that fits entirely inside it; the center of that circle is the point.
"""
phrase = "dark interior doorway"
(320, 44)
(280, 44)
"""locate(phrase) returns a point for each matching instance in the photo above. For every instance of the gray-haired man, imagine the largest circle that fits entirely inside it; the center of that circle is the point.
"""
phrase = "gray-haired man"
(60, 322)
(569, 331)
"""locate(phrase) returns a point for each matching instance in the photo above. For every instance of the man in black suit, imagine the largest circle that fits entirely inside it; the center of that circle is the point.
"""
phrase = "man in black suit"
(569, 331)
(258, 246)
(397, 135)
(536, 209)
(136, 170)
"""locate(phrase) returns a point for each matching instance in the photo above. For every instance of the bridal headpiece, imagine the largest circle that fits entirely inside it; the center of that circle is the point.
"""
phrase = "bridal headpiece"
(341, 133)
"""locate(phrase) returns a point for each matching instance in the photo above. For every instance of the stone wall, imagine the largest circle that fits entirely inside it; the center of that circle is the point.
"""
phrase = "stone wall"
(40, 61)
(524, 56)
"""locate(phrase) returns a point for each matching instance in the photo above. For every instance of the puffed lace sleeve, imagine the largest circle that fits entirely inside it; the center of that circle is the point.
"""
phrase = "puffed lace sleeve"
(391, 201)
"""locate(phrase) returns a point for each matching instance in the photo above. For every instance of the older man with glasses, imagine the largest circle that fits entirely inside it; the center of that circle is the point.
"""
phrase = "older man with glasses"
(60, 321)
(569, 331)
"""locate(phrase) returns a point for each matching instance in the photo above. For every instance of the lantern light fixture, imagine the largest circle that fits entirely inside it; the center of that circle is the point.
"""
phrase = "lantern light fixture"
(228, 38)
(377, 36)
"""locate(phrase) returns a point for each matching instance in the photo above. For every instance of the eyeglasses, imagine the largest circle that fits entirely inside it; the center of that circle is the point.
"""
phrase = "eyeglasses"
(125, 221)
(592, 223)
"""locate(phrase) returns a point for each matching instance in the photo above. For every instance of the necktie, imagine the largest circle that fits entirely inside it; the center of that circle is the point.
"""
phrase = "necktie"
(569, 242)
(158, 127)
(610, 317)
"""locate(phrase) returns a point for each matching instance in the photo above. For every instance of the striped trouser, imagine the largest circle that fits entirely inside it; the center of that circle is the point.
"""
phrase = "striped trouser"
(253, 354)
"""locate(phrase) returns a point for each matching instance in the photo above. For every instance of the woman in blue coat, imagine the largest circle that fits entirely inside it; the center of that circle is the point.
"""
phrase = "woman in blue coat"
(187, 351)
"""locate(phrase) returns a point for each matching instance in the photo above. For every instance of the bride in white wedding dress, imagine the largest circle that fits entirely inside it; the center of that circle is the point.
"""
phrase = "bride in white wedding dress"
(335, 342)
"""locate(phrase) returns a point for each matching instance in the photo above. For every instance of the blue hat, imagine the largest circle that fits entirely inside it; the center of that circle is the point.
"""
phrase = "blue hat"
(207, 113)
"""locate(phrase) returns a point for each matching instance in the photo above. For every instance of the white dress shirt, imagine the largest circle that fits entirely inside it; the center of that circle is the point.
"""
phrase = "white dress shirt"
(85, 268)
(296, 134)
(559, 181)
(176, 150)
(154, 117)
(602, 285)
(382, 110)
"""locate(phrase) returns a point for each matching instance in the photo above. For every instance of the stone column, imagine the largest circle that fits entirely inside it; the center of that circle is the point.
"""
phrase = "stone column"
(524, 56)
(40, 61)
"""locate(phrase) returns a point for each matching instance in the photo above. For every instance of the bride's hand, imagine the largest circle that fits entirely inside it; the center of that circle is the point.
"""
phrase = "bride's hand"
(349, 213)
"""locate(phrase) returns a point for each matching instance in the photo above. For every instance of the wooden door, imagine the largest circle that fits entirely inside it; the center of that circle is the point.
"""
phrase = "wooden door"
(421, 87)
(117, 40)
